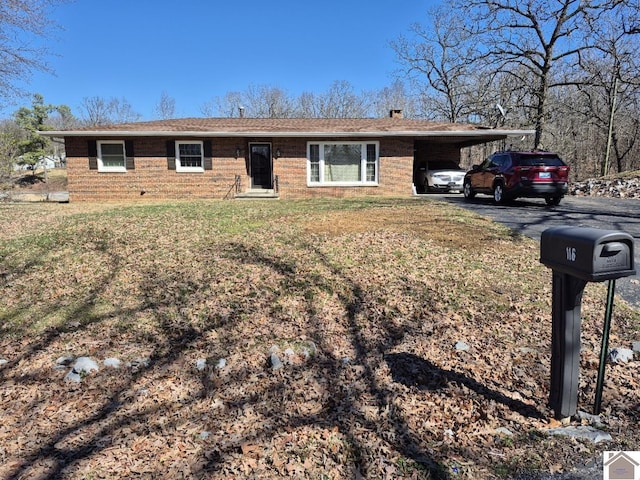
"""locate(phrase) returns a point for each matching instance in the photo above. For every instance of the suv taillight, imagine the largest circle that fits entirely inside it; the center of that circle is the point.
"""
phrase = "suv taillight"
(563, 172)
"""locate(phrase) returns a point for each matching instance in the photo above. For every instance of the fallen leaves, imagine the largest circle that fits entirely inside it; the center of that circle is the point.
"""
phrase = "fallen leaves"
(364, 306)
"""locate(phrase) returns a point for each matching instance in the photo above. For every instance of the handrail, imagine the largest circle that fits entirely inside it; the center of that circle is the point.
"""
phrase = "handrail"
(234, 188)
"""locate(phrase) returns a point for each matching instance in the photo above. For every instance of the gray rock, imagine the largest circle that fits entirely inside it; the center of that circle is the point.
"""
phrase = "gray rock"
(138, 364)
(3, 361)
(201, 363)
(65, 361)
(85, 365)
(636, 347)
(276, 363)
(221, 363)
(73, 376)
(111, 362)
(620, 355)
(586, 433)
(504, 431)
(594, 420)
(461, 346)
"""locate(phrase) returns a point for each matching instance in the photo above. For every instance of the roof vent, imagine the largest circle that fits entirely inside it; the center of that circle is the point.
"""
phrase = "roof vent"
(395, 113)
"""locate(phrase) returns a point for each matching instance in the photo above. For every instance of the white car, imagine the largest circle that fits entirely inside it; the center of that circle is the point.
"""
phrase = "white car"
(442, 176)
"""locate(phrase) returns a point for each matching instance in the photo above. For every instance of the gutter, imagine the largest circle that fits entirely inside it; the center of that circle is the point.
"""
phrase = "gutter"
(278, 134)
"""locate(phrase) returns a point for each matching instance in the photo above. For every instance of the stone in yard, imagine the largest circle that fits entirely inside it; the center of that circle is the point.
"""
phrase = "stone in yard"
(3, 361)
(111, 362)
(64, 361)
(620, 355)
(586, 433)
(85, 365)
(201, 363)
(221, 363)
(73, 376)
(593, 420)
(276, 363)
(636, 347)
(461, 346)
(138, 363)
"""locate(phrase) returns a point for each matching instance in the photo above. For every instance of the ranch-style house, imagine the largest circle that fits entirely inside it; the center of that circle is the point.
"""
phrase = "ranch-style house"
(260, 157)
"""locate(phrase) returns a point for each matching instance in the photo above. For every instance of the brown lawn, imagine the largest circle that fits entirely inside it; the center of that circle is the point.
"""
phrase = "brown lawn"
(363, 301)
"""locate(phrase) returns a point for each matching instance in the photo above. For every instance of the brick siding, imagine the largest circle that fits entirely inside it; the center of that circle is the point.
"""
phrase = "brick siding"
(152, 179)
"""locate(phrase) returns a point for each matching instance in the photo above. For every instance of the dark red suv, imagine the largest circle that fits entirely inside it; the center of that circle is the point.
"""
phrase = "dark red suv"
(509, 175)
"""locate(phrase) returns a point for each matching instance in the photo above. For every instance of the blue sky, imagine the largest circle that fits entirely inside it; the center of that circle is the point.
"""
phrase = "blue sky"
(196, 50)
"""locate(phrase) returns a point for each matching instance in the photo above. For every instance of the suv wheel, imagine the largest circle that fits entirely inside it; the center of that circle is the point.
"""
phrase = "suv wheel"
(467, 190)
(553, 201)
(498, 193)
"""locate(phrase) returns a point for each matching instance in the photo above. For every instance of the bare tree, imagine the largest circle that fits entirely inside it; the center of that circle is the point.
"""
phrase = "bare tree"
(22, 23)
(542, 38)
(340, 101)
(10, 137)
(257, 101)
(166, 107)
(226, 106)
(610, 92)
(393, 97)
(307, 105)
(263, 101)
(95, 111)
(122, 111)
(100, 111)
(437, 57)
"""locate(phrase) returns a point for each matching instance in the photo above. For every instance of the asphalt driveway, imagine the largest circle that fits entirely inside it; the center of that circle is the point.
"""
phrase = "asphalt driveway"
(531, 217)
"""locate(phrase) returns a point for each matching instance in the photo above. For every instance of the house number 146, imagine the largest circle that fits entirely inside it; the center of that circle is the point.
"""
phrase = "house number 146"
(571, 254)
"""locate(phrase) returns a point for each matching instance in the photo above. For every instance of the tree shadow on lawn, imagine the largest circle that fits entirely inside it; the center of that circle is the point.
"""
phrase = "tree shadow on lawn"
(342, 409)
(359, 304)
(413, 371)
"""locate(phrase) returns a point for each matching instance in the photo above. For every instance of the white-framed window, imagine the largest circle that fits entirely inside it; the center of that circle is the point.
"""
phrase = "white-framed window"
(342, 163)
(112, 156)
(189, 156)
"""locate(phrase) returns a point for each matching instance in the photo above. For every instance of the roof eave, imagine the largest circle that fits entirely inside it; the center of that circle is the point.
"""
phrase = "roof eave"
(280, 134)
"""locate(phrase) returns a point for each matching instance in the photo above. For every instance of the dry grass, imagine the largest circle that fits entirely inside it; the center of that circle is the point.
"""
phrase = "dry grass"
(369, 295)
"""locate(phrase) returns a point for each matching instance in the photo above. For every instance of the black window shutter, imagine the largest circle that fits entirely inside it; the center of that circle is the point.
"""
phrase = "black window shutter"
(92, 147)
(171, 154)
(128, 149)
(208, 161)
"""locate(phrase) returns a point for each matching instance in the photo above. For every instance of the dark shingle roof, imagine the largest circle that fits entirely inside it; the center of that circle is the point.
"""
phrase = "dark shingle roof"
(289, 127)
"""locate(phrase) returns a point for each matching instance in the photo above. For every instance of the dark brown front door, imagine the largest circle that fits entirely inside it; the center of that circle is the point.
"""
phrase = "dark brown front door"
(261, 177)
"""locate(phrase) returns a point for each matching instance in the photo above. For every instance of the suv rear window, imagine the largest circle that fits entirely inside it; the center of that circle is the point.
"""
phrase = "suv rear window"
(538, 160)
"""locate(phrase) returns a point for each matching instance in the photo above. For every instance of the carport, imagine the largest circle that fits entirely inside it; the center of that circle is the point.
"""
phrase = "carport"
(447, 146)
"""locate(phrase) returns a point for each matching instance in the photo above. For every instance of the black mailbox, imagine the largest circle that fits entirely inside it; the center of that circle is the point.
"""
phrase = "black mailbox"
(578, 255)
(590, 254)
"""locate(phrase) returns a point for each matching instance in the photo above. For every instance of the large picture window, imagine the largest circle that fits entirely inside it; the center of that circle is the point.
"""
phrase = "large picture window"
(189, 157)
(111, 156)
(342, 163)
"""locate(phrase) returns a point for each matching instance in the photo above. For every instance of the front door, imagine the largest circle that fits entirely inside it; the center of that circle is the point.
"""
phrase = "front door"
(260, 166)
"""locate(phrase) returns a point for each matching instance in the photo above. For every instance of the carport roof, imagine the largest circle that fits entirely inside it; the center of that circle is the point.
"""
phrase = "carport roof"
(297, 127)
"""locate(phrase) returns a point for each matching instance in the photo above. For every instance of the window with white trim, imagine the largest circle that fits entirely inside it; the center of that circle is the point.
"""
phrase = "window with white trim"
(342, 163)
(111, 156)
(189, 156)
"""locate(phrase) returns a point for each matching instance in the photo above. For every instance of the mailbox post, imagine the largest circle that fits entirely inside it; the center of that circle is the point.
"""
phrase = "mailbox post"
(578, 255)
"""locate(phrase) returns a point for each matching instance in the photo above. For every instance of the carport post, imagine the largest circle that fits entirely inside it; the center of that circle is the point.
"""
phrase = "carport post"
(565, 343)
